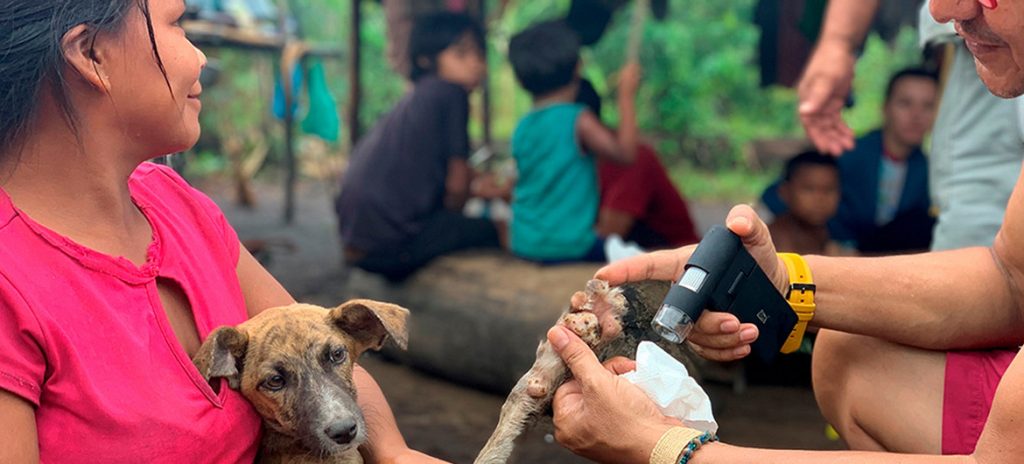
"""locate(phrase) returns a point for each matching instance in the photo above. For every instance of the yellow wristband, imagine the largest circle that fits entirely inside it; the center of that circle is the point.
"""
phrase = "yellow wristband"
(800, 297)
(672, 444)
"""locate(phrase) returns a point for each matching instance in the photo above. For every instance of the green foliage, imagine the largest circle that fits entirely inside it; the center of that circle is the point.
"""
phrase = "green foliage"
(874, 68)
(700, 100)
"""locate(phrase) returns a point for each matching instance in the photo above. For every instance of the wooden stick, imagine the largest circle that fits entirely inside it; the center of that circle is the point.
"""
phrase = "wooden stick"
(641, 10)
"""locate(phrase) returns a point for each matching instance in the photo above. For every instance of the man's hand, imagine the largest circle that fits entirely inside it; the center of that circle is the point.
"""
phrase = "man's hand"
(823, 90)
(717, 335)
(599, 415)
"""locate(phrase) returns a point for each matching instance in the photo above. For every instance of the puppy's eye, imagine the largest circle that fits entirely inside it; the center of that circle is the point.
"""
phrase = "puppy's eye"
(336, 356)
(274, 383)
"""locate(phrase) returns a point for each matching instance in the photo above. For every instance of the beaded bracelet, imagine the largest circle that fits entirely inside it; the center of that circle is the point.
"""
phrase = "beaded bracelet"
(696, 443)
(678, 444)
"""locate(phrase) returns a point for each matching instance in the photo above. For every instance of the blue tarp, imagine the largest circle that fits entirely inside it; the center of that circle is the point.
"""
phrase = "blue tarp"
(260, 10)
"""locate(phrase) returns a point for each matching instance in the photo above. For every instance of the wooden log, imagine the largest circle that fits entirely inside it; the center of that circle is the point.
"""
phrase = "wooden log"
(477, 317)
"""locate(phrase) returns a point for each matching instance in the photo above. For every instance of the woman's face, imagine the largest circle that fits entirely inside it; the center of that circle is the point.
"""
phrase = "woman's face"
(158, 119)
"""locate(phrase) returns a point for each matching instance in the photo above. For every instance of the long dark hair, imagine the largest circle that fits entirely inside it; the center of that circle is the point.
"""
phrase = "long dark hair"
(31, 55)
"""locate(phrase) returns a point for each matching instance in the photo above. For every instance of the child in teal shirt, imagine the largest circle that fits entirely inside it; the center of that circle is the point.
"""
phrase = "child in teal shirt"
(556, 198)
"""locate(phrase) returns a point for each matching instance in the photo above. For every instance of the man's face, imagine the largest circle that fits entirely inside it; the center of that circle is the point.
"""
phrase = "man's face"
(910, 109)
(994, 35)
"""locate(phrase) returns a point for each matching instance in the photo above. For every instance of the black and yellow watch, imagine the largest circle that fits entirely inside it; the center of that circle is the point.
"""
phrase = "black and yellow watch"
(800, 297)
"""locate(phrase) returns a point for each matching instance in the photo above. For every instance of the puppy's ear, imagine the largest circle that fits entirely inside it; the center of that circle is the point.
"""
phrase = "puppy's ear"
(221, 355)
(371, 322)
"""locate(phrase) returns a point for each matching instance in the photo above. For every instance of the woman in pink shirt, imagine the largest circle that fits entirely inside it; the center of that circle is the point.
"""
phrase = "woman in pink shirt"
(112, 270)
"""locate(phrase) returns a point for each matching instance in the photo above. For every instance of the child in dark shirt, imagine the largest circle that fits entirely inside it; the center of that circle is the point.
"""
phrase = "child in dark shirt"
(408, 179)
(810, 190)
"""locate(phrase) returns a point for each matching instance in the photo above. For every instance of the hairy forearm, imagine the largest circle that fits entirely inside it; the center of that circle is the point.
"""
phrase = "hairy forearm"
(847, 22)
(718, 453)
(944, 300)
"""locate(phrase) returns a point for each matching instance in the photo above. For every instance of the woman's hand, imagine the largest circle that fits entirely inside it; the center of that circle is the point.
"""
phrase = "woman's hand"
(410, 456)
(599, 415)
(717, 335)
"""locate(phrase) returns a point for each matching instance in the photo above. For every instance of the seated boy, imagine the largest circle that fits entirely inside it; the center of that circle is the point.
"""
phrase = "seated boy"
(884, 207)
(408, 179)
(556, 197)
(810, 191)
(639, 202)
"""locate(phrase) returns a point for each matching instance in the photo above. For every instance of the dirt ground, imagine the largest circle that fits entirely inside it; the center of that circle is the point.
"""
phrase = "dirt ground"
(451, 421)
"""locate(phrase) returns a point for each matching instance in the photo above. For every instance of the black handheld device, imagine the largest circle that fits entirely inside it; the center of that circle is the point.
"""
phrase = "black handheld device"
(722, 276)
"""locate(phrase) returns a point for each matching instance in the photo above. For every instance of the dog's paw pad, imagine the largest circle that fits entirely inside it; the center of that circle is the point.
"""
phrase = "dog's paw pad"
(585, 325)
(609, 304)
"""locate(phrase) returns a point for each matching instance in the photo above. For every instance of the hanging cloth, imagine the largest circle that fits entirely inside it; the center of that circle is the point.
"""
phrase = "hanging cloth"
(322, 118)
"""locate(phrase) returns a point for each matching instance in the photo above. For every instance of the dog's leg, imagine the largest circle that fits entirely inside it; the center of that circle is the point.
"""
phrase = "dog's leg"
(594, 315)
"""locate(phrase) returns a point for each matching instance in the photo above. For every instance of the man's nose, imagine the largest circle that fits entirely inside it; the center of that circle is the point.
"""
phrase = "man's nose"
(945, 11)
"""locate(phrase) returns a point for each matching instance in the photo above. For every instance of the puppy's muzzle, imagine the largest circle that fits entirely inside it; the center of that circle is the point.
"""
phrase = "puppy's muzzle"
(342, 432)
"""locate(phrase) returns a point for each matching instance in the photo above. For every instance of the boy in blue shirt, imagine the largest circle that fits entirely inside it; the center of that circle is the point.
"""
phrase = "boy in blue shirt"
(556, 197)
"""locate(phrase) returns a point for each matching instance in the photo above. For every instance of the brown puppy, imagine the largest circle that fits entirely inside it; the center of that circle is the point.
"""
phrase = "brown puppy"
(294, 364)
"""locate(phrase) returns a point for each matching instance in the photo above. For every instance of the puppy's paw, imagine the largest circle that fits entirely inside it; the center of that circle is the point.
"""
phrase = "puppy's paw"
(580, 301)
(585, 325)
(609, 304)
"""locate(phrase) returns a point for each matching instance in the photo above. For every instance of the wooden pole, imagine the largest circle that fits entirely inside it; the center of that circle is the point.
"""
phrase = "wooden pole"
(482, 14)
(287, 71)
(355, 73)
(641, 10)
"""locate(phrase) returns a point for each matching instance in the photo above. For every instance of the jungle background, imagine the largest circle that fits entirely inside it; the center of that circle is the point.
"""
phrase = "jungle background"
(701, 100)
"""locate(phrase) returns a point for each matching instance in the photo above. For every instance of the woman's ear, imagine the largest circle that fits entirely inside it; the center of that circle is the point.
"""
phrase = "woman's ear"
(82, 57)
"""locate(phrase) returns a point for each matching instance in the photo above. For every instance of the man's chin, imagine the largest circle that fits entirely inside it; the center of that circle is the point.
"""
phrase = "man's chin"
(1004, 85)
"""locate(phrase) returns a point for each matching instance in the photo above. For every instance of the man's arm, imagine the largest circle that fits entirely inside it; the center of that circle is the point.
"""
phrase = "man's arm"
(967, 298)
(826, 81)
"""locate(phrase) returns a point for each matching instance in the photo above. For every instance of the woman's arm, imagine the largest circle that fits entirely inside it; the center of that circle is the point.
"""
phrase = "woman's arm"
(18, 433)
(385, 444)
(260, 289)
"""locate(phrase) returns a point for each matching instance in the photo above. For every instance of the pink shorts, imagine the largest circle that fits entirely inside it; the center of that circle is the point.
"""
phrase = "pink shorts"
(971, 381)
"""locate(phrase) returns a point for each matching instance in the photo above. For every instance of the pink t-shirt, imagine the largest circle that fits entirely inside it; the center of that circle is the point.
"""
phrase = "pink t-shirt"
(84, 337)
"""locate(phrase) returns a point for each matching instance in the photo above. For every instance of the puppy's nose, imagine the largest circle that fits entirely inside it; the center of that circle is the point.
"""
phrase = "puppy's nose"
(342, 432)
